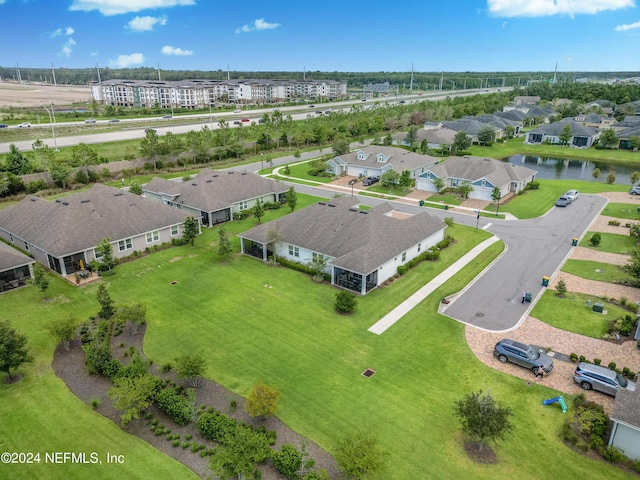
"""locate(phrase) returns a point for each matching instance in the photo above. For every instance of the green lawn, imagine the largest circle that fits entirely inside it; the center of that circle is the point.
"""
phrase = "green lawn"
(602, 272)
(572, 313)
(610, 242)
(301, 170)
(449, 199)
(252, 322)
(627, 211)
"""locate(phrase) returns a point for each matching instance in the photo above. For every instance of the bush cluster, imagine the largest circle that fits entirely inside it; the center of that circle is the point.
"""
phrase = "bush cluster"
(301, 267)
(431, 254)
(175, 404)
(218, 427)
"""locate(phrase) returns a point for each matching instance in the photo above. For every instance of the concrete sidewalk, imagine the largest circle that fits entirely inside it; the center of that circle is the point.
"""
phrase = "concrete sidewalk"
(397, 313)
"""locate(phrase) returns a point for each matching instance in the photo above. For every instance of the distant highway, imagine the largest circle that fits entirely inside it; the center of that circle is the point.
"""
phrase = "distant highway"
(133, 129)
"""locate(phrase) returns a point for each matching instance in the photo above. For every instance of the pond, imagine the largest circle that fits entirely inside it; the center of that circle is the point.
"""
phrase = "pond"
(550, 168)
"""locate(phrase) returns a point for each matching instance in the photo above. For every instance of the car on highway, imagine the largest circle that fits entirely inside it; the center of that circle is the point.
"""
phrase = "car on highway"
(634, 190)
(24, 125)
(246, 120)
(4, 125)
(90, 120)
(312, 106)
(167, 117)
(563, 201)
(572, 194)
(149, 129)
(237, 122)
(402, 101)
(318, 112)
(522, 354)
(237, 110)
(114, 120)
(601, 379)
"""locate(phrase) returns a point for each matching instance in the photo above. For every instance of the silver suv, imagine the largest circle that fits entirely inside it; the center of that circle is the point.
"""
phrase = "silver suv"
(601, 379)
(522, 354)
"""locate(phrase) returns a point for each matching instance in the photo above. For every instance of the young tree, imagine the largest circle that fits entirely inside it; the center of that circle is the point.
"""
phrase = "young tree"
(487, 135)
(294, 464)
(59, 171)
(438, 183)
(149, 144)
(40, 279)
(461, 142)
(258, 210)
(465, 189)
(191, 367)
(318, 264)
(274, 237)
(596, 173)
(340, 147)
(64, 329)
(132, 395)
(134, 313)
(561, 288)
(496, 195)
(634, 177)
(405, 179)
(345, 301)
(595, 239)
(360, 457)
(608, 138)
(106, 303)
(565, 135)
(190, 230)
(262, 401)
(135, 187)
(482, 418)
(389, 179)
(611, 177)
(224, 244)
(239, 455)
(291, 198)
(17, 162)
(104, 252)
(412, 135)
(13, 349)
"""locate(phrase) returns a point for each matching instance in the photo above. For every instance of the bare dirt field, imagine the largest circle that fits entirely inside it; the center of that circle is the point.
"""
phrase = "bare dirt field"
(33, 95)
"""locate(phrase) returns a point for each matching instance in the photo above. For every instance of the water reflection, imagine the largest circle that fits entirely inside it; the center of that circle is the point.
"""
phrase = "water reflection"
(552, 168)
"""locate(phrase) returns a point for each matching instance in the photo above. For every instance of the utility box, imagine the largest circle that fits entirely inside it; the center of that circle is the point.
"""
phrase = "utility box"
(545, 281)
(422, 203)
(597, 307)
(574, 241)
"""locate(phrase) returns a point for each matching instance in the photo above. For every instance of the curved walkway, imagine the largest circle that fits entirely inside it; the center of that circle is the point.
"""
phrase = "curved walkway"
(533, 331)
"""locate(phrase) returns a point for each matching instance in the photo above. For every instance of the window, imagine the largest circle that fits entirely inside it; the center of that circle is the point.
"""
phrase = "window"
(244, 205)
(314, 255)
(419, 247)
(174, 230)
(404, 256)
(26, 246)
(361, 156)
(97, 254)
(126, 244)
(294, 251)
(153, 236)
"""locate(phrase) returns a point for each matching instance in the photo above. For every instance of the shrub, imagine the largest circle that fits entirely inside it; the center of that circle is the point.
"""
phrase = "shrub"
(36, 186)
(288, 461)
(345, 301)
(614, 223)
(95, 403)
(597, 361)
(175, 443)
(179, 407)
(573, 357)
(166, 368)
(216, 426)
(595, 239)
(582, 358)
(612, 455)
(449, 221)
(611, 366)
(626, 372)
(402, 269)
(532, 186)
(233, 404)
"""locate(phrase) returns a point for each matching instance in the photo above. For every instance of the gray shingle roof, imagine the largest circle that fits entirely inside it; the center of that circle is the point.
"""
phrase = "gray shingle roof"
(513, 115)
(11, 258)
(81, 220)
(212, 190)
(626, 407)
(441, 136)
(555, 129)
(475, 168)
(399, 158)
(360, 241)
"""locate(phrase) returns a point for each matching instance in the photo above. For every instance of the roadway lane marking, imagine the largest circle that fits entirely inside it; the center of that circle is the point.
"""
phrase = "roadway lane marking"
(486, 227)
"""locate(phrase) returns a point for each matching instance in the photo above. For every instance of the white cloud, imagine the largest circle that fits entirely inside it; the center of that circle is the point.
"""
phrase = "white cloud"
(258, 24)
(629, 26)
(67, 48)
(169, 50)
(504, 24)
(543, 8)
(115, 7)
(62, 31)
(126, 61)
(146, 23)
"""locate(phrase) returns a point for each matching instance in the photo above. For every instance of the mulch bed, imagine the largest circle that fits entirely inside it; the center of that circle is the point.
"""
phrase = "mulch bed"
(69, 366)
(486, 455)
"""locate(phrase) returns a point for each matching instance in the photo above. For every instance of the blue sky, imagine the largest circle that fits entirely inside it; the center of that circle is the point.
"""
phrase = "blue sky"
(327, 35)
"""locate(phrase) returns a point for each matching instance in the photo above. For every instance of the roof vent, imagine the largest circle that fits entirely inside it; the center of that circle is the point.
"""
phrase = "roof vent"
(33, 199)
(194, 184)
(243, 173)
(214, 175)
(353, 209)
(58, 201)
(322, 203)
(209, 181)
(85, 201)
(364, 212)
(117, 194)
(230, 172)
(65, 203)
(330, 205)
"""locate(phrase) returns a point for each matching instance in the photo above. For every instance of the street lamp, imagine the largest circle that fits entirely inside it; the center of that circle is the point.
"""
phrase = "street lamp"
(210, 115)
(261, 162)
(51, 122)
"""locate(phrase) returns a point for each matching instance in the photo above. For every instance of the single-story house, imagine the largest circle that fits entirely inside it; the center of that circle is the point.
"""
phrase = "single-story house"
(581, 136)
(625, 136)
(499, 123)
(532, 111)
(595, 120)
(483, 174)
(625, 419)
(437, 138)
(214, 196)
(526, 100)
(64, 233)
(513, 115)
(15, 267)
(373, 161)
(363, 247)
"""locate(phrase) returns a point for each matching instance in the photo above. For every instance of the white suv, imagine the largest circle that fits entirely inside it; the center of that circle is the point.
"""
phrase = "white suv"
(24, 125)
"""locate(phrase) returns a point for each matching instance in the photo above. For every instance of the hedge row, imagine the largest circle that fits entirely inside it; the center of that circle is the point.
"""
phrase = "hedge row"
(430, 254)
(301, 267)
(178, 406)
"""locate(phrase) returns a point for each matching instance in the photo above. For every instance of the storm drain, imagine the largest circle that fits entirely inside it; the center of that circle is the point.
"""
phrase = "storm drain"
(479, 314)
(368, 372)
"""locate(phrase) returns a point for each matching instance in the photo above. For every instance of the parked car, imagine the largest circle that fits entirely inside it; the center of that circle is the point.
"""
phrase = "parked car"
(522, 354)
(114, 120)
(370, 181)
(572, 194)
(634, 191)
(601, 379)
(90, 120)
(563, 201)
(4, 125)
(24, 125)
